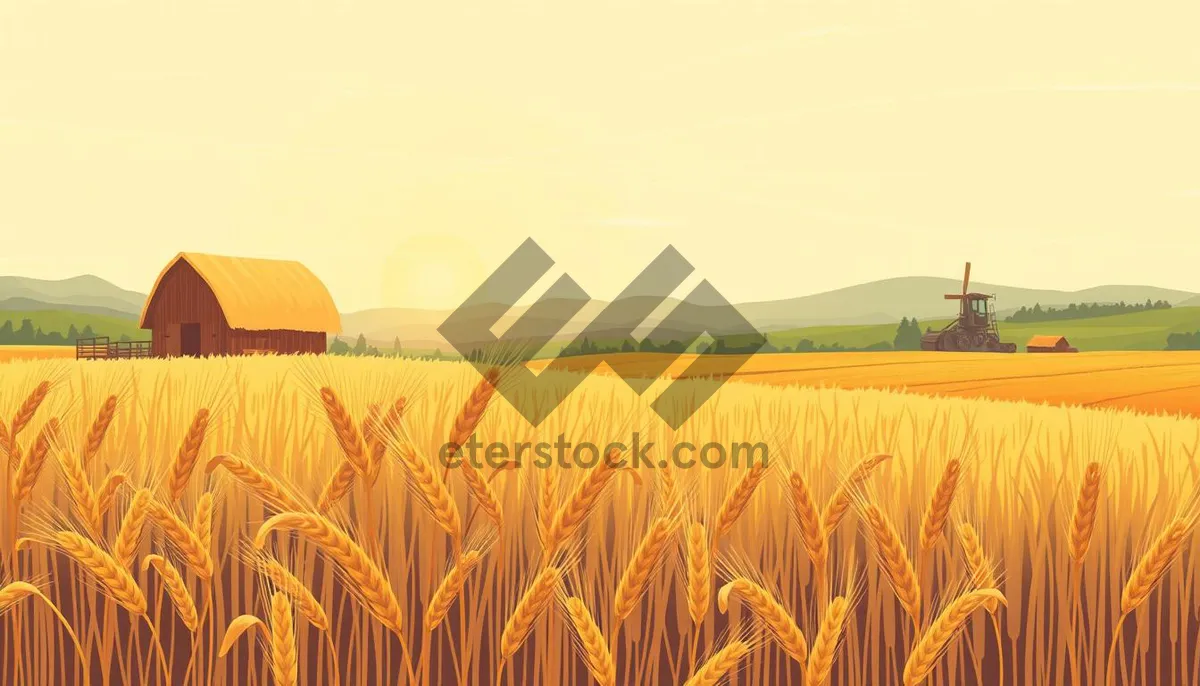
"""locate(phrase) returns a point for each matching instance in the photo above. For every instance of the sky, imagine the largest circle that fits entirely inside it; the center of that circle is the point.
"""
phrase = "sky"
(401, 150)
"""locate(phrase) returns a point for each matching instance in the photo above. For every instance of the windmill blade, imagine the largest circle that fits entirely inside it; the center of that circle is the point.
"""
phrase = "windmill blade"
(966, 278)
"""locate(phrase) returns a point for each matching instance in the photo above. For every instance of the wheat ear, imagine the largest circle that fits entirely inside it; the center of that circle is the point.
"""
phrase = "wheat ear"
(939, 505)
(812, 531)
(472, 411)
(982, 574)
(1153, 565)
(383, 432)
(189, 543)
(189, 452)
(591, 643)
(935, 639)
(1083, 519)
(108, 493)
(83, 498)
(290, 584)
(28, 409)
(261, 484)
(129, 536)
(30, 467)
(841, 499)
(720, 664)
(347, 433)
(699, 573)
(114, 577)
(548, 499)
(338, 486)
(369, 581)
(770, 612)
(176, 588)
(99, 429)
(736, 501)
(202, 521)
(572, 513)
(825, 645)
(283, 641)
(433, 493)
(649, 553)
(528, 609)
(897, 566)
(449, 589)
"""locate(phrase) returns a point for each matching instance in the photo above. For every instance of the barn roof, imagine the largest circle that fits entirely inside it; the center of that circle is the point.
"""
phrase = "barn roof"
(1046, 341)
(260, 294)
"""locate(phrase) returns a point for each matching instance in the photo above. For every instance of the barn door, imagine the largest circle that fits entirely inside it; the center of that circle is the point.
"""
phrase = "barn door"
(189, 340)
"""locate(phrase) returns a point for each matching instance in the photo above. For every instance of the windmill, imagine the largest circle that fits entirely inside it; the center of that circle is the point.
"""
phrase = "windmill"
(974, 330)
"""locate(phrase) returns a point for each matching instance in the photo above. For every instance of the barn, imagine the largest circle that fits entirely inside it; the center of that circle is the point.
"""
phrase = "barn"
(214, 305)
(1049, 344)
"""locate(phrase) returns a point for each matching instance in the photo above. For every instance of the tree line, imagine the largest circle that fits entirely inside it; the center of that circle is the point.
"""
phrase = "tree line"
(28, 334)
(1083, 310)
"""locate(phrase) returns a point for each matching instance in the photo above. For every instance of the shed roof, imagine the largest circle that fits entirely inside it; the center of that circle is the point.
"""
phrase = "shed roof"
(260, 294)
(1046, 341)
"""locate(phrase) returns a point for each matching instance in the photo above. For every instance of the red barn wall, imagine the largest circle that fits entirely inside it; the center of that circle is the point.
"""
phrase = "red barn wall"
(184, 297)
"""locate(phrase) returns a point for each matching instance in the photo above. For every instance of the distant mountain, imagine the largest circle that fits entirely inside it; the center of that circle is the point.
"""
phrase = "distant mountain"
(878, 302)
(87, 294)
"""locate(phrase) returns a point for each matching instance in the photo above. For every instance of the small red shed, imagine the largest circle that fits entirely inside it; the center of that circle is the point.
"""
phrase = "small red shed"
(214, 305)
(1049, 344)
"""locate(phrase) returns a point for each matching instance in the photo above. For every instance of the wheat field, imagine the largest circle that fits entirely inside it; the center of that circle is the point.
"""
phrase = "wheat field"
(287, 521)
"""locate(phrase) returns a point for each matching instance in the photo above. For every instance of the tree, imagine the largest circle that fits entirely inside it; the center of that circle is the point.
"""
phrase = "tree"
(87, 332)
(339, 347)
(360, 346)
(6, 333)
(26, 335)
(72, 334)
(908, 335)
(396, 349)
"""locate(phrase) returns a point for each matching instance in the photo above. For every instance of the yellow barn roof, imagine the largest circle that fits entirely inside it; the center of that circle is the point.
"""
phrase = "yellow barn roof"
(260, 294)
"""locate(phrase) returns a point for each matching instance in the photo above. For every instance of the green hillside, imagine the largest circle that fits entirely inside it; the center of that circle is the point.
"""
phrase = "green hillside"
(1134, 331)
(60, 322)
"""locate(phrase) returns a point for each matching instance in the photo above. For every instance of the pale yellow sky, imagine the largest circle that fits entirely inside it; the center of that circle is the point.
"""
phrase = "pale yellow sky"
(402, 149)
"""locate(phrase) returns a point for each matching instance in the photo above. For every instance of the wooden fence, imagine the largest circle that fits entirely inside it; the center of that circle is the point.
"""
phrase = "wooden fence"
(101, 348)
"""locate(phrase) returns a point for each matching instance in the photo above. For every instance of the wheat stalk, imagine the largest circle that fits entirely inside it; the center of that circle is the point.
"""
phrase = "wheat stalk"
(382, 432)
(591, 643)
(189, 543)
(346, 432)
(770, 612)
(720, 664)
(369, 581)
(935, 639)
(699, 573)
(897, 566)
(449, 589)
(176, 589)
(129, 536)
(645, 560)
(1083, 519)
(737, 500)
(261, 484)
(939, 506)
(841, 499)
(529, 608)
(189, 452)
(98, 430)
(16, 591)
(825, 645)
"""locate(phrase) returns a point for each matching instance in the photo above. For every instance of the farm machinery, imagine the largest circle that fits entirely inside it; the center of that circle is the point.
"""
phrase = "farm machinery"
(974, 330)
